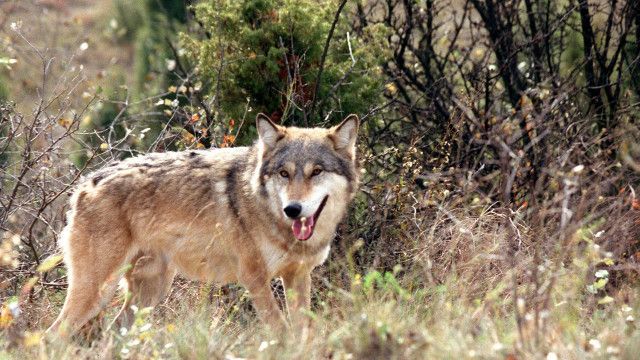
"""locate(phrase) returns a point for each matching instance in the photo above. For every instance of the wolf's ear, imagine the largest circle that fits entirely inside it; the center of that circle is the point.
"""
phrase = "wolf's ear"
(268, 131)
(344, 135)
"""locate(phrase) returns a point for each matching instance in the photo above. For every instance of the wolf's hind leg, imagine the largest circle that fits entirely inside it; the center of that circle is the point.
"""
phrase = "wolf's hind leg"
(148, 282)
(93, 277)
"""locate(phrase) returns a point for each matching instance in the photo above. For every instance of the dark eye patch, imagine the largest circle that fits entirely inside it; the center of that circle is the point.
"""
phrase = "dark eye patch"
(301, 153)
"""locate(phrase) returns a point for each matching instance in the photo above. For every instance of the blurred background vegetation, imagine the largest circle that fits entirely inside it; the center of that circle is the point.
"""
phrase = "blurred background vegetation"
(499, 143)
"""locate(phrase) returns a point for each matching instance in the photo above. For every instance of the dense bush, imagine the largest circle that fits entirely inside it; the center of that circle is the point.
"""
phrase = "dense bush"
(269, 56)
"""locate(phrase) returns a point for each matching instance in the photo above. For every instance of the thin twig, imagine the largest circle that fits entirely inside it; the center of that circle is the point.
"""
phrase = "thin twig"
(324, 56)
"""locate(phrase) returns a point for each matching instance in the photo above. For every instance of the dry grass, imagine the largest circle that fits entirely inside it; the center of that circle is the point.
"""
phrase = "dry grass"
(461, 296)
(59, 28)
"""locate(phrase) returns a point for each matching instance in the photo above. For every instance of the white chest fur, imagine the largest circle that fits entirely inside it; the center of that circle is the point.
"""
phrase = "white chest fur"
(276, 258)
(273, 255)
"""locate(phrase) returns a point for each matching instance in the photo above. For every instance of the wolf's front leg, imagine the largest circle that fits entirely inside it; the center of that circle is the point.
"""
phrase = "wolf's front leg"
(297, 285)
(259, 287)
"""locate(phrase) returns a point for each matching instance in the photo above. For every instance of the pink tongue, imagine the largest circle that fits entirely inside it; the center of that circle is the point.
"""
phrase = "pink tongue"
(303, 232)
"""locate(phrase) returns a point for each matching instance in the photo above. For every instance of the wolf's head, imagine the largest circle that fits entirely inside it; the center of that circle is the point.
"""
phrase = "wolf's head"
(307, 175)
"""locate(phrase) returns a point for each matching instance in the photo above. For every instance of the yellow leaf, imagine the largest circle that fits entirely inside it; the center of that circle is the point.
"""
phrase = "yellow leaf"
(391, 87)
(605, 300)
(32, 338)
(104, 146)
(478, 53)
(5, 317)
(64, 122)
(188, 137)
(49, 263)
(171, 328)
(86, 121)
(172, 88)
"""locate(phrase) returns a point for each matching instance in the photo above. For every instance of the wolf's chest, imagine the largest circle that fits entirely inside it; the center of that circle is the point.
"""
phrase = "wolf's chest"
(273, 256)
(277, 259)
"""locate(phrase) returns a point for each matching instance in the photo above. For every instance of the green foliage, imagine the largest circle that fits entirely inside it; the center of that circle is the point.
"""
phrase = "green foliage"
(573, 55)
(632, 54)
(4, 91)
(174, 10)
(129, 17)
(152, 47)
(151, 50)
(149, 25)
(268, 52)
(386, 282)
(5, 64)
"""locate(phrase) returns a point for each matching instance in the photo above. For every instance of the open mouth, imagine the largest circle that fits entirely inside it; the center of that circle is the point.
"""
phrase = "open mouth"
(303, 227)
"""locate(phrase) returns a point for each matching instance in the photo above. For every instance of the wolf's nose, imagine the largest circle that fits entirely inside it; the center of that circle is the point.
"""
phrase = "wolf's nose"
(293, 210)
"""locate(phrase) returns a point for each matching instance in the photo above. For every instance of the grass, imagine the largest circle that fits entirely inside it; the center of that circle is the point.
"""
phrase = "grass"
(431, 323)
(471, 311)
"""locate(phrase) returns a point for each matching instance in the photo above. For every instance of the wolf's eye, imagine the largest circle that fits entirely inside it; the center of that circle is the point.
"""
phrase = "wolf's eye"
(316, 172)
(284, 174)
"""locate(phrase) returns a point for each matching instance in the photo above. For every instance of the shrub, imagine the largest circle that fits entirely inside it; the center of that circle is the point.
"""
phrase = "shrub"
(266, 55)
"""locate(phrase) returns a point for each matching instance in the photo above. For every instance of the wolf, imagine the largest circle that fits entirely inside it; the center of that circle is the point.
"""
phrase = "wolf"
(231, 215)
